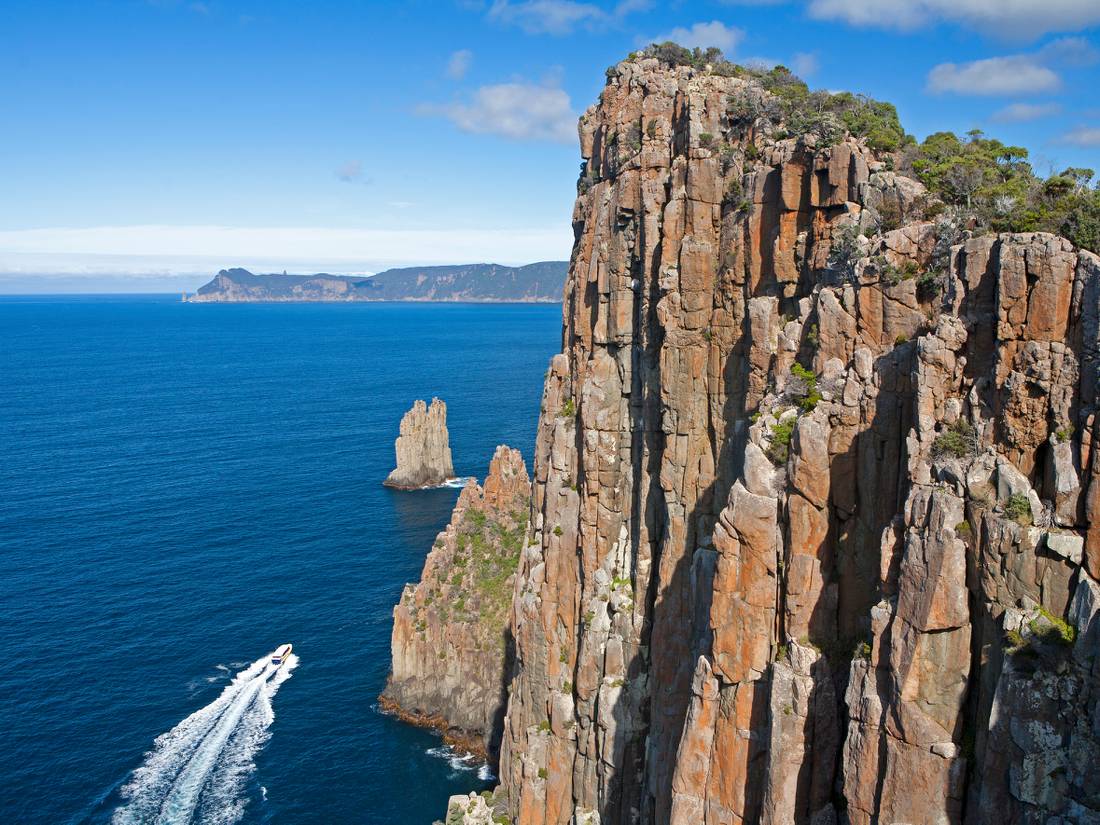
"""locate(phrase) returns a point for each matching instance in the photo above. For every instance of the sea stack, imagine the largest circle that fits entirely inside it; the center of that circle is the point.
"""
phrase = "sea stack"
(423, 448)
(451, 644)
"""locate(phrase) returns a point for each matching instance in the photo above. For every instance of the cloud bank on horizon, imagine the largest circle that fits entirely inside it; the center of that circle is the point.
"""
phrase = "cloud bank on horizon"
(142, 251)
(158, 148)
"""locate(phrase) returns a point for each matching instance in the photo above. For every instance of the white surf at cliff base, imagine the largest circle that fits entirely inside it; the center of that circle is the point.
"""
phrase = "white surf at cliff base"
(457, 483)
(196, 772)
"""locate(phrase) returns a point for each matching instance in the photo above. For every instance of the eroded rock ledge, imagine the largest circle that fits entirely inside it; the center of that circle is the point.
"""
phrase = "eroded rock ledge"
(423, 448)
(451, 643)
(814, 502)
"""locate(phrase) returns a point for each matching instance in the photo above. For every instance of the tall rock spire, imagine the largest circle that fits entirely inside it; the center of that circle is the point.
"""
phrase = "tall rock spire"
(423, 448)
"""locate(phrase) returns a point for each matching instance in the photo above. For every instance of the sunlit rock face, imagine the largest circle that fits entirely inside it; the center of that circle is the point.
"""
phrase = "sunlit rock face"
(812, 516)
(423, 448)
(451, 643)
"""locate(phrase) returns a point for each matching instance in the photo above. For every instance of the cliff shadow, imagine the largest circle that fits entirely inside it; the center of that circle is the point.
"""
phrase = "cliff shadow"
(495, 735)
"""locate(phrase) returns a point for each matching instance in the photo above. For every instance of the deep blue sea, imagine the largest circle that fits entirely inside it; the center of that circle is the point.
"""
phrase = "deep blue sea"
(185, 487)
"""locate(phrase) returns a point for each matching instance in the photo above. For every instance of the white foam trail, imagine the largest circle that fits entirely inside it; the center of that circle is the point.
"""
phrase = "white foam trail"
(202, 763)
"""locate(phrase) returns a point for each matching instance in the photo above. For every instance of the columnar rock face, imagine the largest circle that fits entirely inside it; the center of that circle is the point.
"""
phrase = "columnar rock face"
(451, 640)
(423, 448)
(813, 503)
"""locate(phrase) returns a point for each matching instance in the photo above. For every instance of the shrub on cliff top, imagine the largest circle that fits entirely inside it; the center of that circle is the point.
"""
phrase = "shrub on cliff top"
(491, 544)
(673, 55)
(804, 112)
(995, 186)
(829, 115)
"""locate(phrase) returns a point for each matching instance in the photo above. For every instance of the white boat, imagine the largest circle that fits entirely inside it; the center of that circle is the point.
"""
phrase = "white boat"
(279, 656)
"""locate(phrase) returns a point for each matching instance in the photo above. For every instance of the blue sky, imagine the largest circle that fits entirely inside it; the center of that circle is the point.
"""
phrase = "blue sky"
(168, 138)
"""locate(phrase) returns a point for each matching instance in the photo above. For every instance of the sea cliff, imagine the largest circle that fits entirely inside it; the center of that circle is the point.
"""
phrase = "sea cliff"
(451, 644)
(815, 486)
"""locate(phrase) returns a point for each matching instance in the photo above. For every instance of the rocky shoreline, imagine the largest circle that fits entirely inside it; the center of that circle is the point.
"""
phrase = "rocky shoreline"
(458, 740)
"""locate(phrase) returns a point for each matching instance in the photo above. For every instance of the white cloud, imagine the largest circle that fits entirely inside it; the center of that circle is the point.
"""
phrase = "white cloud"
(1027, 19)
(459, 64)
(147, 250)
(703, 35)
(1021, 112)
(1070, 51)
(893, 14)
(545, 16)
(625, 7)
(1012, 75)
(1083, 136)
(560, 16)
(805, 64)
(350, 171)
(518, 111)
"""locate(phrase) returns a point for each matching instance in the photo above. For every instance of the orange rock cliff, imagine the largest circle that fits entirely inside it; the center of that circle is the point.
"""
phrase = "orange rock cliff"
(811, 535)
(451, 643)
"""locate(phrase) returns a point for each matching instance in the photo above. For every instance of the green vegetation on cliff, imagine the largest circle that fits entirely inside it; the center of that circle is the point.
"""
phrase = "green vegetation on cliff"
(996, 186)
(991, 186)
(486, 556)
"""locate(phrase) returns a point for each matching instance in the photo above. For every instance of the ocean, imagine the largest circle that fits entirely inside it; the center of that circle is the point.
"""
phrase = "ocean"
(185, 487)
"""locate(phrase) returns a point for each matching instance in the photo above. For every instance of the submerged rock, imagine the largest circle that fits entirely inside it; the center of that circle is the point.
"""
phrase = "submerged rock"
(451, 644)
(423, 448)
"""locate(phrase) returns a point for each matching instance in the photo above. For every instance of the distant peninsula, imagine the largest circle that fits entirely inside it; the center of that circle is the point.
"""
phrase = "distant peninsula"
(484, 283)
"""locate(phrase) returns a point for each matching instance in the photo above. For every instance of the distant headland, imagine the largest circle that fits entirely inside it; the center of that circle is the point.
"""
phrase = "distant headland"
(484, 283)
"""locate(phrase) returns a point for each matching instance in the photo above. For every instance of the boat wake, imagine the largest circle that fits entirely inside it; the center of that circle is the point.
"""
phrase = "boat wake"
(196, 771)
